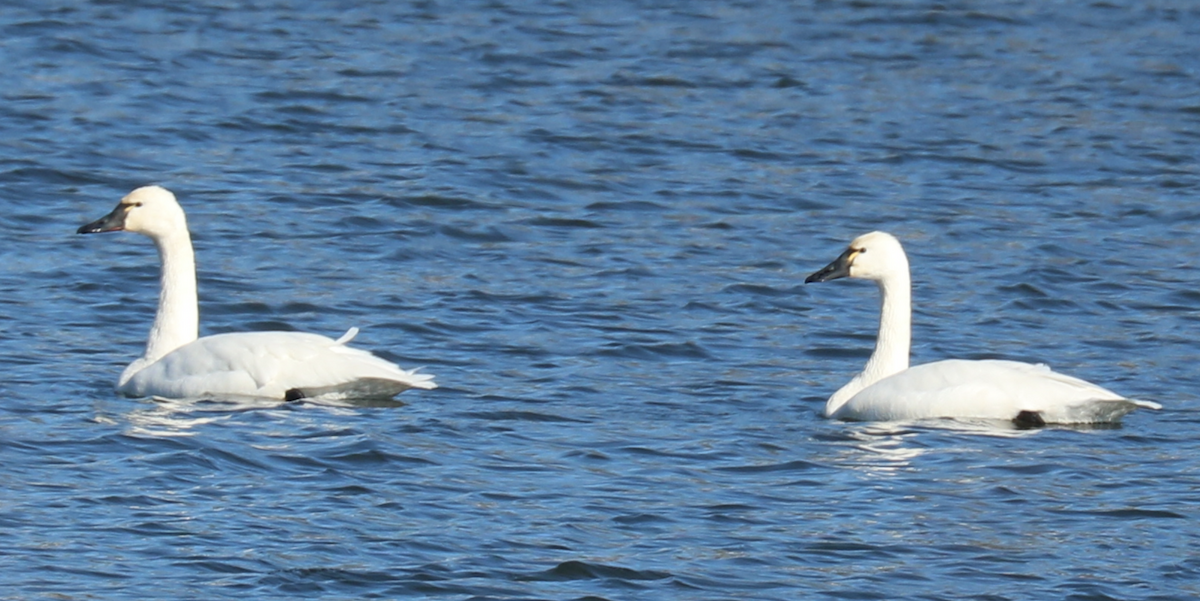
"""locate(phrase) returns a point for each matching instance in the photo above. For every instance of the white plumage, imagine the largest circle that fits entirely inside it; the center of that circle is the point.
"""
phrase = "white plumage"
(889, 390)
(274, 365)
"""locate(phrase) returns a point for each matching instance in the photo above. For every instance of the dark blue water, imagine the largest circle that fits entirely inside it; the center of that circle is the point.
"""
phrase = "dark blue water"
(591, 221)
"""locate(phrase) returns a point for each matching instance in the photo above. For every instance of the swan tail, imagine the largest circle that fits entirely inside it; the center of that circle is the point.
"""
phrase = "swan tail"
(1100, 411)
(400, 379)
(360, 389)
(1146, 404)
(420, 380)
(368, 366)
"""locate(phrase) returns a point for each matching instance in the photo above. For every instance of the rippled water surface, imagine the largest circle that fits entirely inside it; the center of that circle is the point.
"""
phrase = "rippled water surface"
(592, 222)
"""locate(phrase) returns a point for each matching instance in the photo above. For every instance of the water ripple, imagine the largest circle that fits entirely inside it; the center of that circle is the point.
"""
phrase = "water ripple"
(592, 223)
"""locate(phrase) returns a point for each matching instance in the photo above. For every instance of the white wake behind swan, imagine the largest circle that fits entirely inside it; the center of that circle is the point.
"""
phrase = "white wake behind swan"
(273, 365)
(889, 390)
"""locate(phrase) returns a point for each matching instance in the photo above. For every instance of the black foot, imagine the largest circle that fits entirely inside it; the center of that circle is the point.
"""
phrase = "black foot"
(292, 395)
(1029, 419)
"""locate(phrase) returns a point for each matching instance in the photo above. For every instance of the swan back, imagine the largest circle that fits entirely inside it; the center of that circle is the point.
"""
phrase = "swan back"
(989, 389)
(280, 365)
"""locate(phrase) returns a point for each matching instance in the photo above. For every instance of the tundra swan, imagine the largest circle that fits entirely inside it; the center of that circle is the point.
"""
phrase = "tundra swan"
(889, 390)
(273, 365)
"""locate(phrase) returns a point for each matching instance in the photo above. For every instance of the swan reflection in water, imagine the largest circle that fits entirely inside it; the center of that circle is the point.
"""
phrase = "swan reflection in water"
(173, 417)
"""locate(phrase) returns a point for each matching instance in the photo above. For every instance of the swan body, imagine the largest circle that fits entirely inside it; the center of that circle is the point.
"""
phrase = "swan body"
(177, 364)
(889, 390)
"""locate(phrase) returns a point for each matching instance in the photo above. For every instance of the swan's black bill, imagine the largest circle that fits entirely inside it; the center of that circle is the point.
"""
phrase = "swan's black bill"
(112, 222)
(839, 268)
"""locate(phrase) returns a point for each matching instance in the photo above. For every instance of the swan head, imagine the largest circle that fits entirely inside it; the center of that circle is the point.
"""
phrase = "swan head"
(875, 256)
(149, 210)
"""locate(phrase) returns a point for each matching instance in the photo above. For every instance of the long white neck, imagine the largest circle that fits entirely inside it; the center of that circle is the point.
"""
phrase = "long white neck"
(892, 345)
(178, 319)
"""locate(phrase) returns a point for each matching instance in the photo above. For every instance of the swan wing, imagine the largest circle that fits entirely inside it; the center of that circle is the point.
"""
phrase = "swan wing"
(279, 365)
(986, 390)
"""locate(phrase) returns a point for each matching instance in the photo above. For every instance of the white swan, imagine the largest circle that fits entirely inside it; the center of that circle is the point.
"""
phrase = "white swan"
(889, 390)
(272, 365)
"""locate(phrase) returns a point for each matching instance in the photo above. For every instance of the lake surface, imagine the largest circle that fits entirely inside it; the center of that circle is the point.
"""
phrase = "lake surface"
(592, 221)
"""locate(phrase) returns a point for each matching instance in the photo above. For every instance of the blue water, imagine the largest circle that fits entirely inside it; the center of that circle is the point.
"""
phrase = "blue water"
(591, 221)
